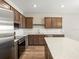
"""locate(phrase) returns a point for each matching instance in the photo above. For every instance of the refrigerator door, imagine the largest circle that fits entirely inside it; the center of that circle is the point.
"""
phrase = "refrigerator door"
(6, 33)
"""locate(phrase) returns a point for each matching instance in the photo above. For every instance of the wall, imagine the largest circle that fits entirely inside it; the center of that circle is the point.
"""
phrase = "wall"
(70, 22)
(70, 26)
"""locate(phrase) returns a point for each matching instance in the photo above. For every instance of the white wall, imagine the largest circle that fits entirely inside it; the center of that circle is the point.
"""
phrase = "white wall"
(70, 26)
(70, 22)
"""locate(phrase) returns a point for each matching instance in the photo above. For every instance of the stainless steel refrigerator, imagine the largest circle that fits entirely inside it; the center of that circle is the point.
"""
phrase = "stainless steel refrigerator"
(6, 33)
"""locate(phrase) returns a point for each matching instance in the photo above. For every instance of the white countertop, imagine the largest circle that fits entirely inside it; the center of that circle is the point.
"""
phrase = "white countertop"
(63, 48)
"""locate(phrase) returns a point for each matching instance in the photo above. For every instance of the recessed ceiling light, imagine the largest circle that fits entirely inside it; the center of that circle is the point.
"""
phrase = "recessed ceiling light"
(62, 6)
(34, 5)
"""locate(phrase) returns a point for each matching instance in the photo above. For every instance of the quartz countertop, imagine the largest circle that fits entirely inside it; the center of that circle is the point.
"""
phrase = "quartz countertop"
(18, 38)
(63, 48)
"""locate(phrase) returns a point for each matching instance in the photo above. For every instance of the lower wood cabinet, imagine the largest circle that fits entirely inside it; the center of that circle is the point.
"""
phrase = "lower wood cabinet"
(41, 39)
(48, 53)
(36, 40)
(30, 40)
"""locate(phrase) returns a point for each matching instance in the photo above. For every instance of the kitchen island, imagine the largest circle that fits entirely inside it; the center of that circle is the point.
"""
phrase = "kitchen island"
(61, 48)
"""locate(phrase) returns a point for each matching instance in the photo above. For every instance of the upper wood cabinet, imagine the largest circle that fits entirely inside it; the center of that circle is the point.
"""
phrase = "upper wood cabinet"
(48, 22)
(1, 2)
(57, 22)
(29, 22)
(17, 17)
(53, 22)
(23, 22)
(4, 5)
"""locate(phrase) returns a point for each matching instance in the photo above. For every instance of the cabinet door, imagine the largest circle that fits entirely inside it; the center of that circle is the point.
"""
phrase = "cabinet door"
(21, 17)
(36, 40)
(4, 5)
(1, 1)
(48, 54)
(48, 22)
(30, 40)
(54, 23)
(57, 22)
(41, 40)
(23, 22)
(29, 22)
(17, 17)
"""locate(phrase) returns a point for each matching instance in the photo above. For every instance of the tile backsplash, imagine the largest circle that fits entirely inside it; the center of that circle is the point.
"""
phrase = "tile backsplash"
(38, 30)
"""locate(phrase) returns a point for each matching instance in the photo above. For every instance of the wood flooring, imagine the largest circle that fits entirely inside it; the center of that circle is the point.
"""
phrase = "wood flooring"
(34, 52)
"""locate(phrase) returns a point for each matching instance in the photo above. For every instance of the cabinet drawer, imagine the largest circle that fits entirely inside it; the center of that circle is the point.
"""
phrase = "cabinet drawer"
(41, 42)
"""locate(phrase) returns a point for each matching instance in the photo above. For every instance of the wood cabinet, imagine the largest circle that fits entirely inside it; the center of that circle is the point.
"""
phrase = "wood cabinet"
(23, 22)
(30, 40)
(53, 22)
(48, 22)
(36, 40)
(48, 54)
(41, 39)
(57, 22)
(17, 17)
(1, 1)
(4, 5)
(29, 22)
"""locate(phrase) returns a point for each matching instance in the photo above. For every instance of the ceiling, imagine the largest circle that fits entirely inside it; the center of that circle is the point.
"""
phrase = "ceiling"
(70, 6)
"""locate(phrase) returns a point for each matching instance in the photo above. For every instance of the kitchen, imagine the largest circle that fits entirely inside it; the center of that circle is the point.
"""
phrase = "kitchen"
(42, 29)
